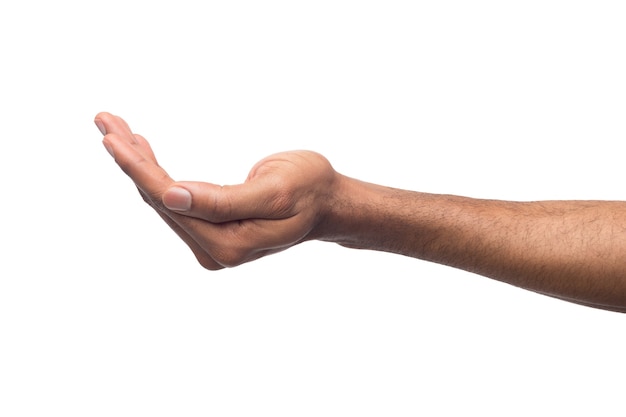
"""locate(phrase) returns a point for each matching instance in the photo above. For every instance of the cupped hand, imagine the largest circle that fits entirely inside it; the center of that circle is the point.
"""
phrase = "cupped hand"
(282, 202)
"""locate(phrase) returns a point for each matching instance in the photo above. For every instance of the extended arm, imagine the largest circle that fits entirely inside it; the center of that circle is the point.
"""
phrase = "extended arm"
(573, 250)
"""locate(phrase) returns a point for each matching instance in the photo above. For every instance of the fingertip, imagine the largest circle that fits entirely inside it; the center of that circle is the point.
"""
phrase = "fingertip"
(109, 123)
(108, 147)
(100, 125)
(101, 115)
(177, 198)
(101, 121)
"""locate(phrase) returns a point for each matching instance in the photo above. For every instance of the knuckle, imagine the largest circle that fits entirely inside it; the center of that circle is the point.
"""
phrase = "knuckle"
(131, 163)
(205, 261)
(232, 254)
(235, 245)
(209, 264)
(221, 205)
(230, 257)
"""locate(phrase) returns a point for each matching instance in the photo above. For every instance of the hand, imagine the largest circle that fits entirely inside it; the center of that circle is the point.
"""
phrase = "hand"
(284, 200)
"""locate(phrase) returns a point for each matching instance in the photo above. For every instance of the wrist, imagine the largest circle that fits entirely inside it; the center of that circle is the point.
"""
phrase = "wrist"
(360, 215)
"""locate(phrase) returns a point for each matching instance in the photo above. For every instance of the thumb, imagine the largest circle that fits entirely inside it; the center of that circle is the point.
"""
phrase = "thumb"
(256, 199)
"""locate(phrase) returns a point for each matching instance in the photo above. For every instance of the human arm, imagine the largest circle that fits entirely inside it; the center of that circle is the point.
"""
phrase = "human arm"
(572, 250)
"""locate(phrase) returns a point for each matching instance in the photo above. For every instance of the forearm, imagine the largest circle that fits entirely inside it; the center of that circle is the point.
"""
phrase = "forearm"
(567, 249)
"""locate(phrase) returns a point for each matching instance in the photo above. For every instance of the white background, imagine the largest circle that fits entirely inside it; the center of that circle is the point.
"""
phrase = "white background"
(103, 311)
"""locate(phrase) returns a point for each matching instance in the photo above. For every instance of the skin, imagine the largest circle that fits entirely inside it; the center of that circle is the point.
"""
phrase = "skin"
(572, 250)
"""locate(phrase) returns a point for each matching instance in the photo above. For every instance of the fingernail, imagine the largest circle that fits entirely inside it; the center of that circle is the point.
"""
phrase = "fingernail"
(100, 126)
(177, 198)
(109, 149)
